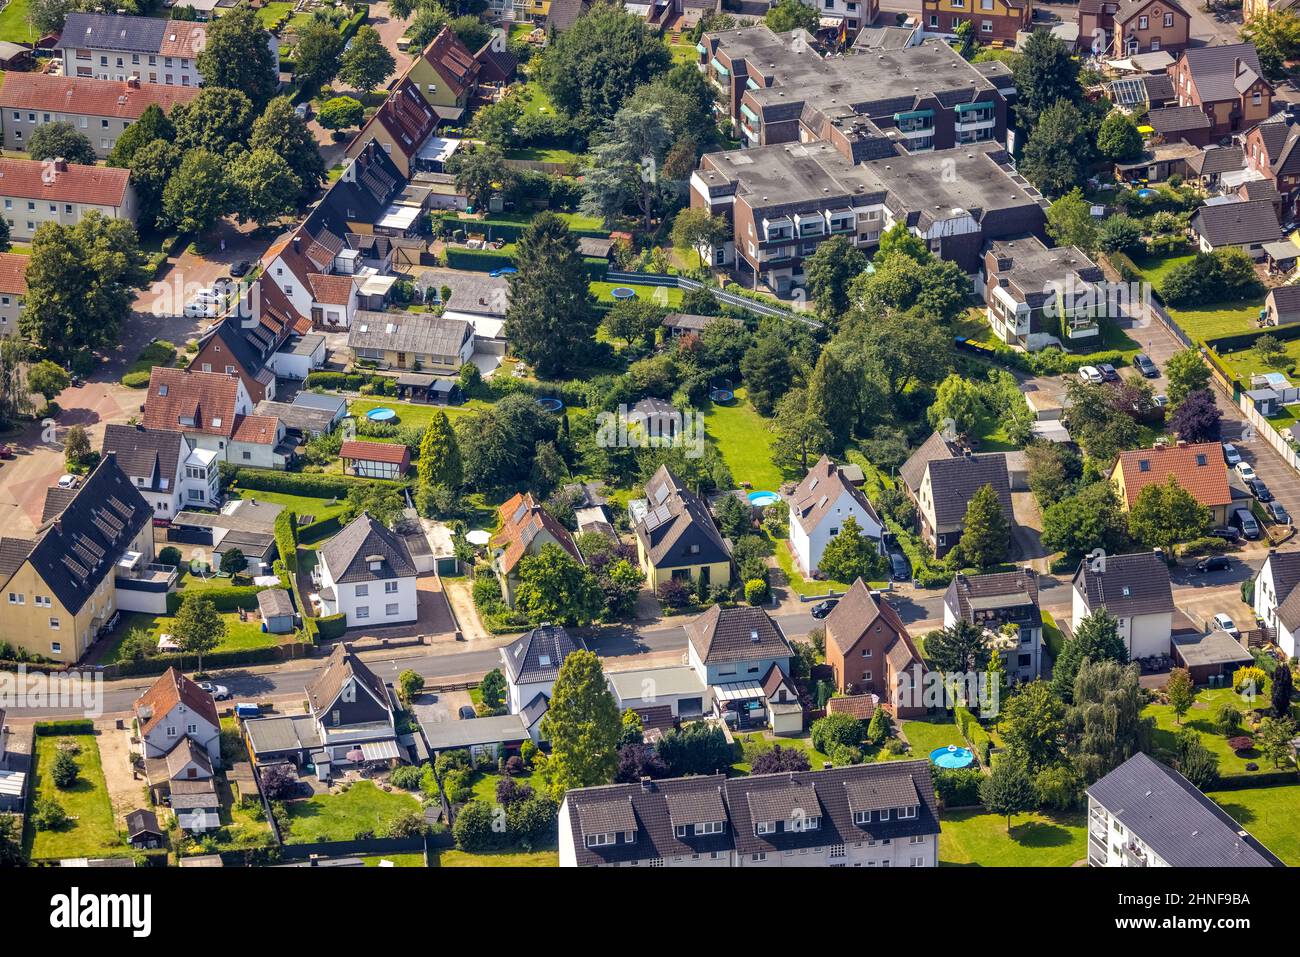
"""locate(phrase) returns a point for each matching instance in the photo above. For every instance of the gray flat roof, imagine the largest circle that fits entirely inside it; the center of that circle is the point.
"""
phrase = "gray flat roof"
(662, 682)
(1216, 648)
(453, 733)
(287, 733)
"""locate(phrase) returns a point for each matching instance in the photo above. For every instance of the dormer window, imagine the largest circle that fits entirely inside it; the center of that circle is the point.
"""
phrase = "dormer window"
(907, 813)
(600, 840)
(764, 827)
(861, 817)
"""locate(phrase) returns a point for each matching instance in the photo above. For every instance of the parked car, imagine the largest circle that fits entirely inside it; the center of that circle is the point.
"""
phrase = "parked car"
(1161, 400)
(1245, 523)
(1224, 623)
(1215, 563)
(5, 451)
(1091, 374)
(824, 608)
(1227, 533)
(1230, 454)
(1108, 372)
(1142, 362)
(1260, 491)
(1277, 512)
(202, 309)
(899, 567)
(467, 712)
(218, 692)
(240, 268)
(1246, 472)
(67, 481)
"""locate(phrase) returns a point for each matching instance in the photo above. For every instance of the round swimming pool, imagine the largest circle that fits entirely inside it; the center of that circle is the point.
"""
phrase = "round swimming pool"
(763, 499)
(952, 757)
(550, 405)
(381, 415)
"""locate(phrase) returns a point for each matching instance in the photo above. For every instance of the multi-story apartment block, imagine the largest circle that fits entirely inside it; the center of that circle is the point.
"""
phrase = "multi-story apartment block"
(1006, 605)
(782, 201)
(13, 290)
(777, 89)
(1127, 27)
(866, 815)
(996, 21)
(60, 192)
(100, 109)
(1036, 297)
(150, 49)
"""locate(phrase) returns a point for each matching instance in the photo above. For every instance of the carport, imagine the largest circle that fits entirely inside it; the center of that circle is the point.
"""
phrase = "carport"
(1210, 655)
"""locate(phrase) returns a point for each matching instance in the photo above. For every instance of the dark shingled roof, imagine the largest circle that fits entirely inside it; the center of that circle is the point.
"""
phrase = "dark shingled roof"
(1234, 224)
(144, 453)
(675, 521)
(1177, 119)
(1136, 584)
(537, 655)
(1286, 302)
(347, 552)
(742, 633)
(1221, 72)
(1179, 823)
(982, 590)
(342, 667)
(954, 481)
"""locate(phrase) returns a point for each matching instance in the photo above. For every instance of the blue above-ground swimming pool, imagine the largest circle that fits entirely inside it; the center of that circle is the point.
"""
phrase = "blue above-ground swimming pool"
(503, 271)
(381, 415)
(1144, 193)
(762, 499)
(952, 757)
(550, 405)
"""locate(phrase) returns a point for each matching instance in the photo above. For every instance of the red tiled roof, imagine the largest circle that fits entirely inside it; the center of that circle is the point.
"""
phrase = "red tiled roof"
(407, 117)
(389, 452)
(521, 520)
(332, 289)
(90, 97)
(73, 183)
(1198, 469)
(256, 429)
(171, 689)
(13, 274)
(452, 60)
(207, 398)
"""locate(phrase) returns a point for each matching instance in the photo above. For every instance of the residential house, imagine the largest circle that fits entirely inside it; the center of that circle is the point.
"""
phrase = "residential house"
(560, 14)
(474, 297)
(1122, 28)
(881, 814)
(165, 468)
(213, 411)
(733, 652)
(246, 525)
(870, 652)
(676, 537)
(412, 341)
(1250, 9)
(818, 509)
(99, 109)
(941, 479)
(350, 720)
(1144, 814)
(782, 201)
(1282, 305)
(494, 736)
(1226, 83)
(174, 708)
(34, 192)
(400, 126)
(1005, 604)
(1036, 297)
(776, 88)
(995, 21)
(366, 573)
(1277, 600)
(532, 662)
(496, 64)
(13, 290)
(1248, 227)
(525, 529)
(91, 556)
(382, 460)
(186, 761)
(446, 75)
(1197, 468)
(846, 17)
(1134, 589)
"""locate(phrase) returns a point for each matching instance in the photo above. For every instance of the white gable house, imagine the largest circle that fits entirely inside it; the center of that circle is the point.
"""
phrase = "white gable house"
(818, 508)
(366, 573)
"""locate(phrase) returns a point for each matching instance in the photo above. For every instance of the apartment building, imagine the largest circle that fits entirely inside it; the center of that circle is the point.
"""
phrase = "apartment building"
(867, 815)
(99, 109)
(1128, 27)
(1035, 296)
(776, 88)
(32, 193)
(1004, 604)
(783, 200)
(151, 49)
(166, 468)
(1226, 83)
(996, 21)
(13, 290)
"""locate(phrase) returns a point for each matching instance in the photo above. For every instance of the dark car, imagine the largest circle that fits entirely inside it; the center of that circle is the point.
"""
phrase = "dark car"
(1142, 362)
(824, 608)
(900, 567)
(1277, 512)
(466, 712)
(239, 268)
(1215, 563)
(1108, 372)
(5, 451)
(1260, 490)
(1228, 534)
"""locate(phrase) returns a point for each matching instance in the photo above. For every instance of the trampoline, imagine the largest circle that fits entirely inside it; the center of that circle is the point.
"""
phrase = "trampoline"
(550, 405)
(622, 292)
(381, 415)
(722, 395)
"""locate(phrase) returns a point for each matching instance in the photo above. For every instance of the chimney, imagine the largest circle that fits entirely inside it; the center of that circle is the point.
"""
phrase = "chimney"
(133, 83)
(297, 242)
(647, 783)
(60, 164)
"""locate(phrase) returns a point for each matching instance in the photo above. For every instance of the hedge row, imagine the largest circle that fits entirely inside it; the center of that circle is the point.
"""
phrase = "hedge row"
(499, 229)
(349, 381)
(486, 260)
(331, 626)
(50, 729)
(975, 735)
(226, 598)
(215, 659)
(310, 484)
(286, 539)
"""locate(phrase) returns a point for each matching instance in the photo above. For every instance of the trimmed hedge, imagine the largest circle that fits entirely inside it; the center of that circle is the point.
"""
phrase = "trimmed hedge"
(309, 484)
(286, 539)
(486, 260)
(215, 659)
(979, 740)
(509, 231)
(331, 626)
(51, 729)
(227, 598)
(349, 382)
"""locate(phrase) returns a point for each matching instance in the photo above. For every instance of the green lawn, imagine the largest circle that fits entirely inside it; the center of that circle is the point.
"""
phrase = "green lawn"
(91, 832)
(538, 155)
(926, 734)
(454, 858)
(398, 860)
(1038, 839)
(752, 745)
(1208, 320)
(275, 11)
(745, 442)
(416, 415)
(1269, 814)
(319, 509)
(14, 25)
(340, 817)
(1052, 636)
(666, 297)
(1201, 718)
(240, 635)
(485, 785)
(240, 827)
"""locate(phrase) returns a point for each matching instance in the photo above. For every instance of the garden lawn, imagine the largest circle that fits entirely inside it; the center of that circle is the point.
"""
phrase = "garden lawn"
(1208, 320)
(92, 832)
(744, 441)
(275, 11)
(14, 25)
(800, 585)
(485, 785)
(539, 155)
(397, 860)
(665, 297)
(926, 734)
(415, 415)
(240, 827)
(319, 509)
(1052, 635)
(455, 858)
(1201, 718)
(341, 817)
(977, 838)
(1246, 362)
(752, 745)
(1267, 813)
(240, 635)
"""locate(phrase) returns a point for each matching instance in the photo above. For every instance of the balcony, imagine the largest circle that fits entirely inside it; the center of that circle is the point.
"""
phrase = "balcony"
(146, 577)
